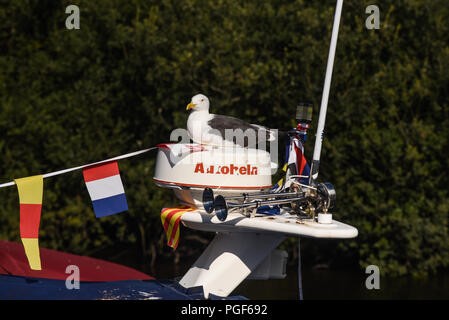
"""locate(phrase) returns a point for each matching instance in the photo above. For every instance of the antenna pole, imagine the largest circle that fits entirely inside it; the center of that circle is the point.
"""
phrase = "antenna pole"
(324, 99)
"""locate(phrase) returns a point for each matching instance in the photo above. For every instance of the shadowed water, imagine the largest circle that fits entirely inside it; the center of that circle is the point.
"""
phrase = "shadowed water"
(318, 284)
(326, 284)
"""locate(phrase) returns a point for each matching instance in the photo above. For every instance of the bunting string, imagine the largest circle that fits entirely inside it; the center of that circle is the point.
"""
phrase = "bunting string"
(52, 174)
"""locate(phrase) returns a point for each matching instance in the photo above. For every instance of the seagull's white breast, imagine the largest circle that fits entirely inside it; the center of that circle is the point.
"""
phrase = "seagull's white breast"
(197, 126)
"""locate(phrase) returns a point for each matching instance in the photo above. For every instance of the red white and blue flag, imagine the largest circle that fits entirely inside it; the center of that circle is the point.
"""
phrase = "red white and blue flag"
(105, 189)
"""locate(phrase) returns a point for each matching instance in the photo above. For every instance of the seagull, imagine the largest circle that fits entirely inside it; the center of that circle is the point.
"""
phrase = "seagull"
(219, 130)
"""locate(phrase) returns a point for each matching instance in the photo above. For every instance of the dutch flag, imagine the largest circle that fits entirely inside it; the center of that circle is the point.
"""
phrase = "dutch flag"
(105, 189)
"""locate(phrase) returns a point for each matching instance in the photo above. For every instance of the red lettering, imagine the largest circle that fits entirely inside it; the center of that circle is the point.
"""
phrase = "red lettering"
(254, 170)
(242, 170)
(199, 168)
(210, 169)
(234, 168)
(225, 170)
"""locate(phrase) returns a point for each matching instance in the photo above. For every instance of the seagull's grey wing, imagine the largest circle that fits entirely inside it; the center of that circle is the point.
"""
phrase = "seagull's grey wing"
(221, 123)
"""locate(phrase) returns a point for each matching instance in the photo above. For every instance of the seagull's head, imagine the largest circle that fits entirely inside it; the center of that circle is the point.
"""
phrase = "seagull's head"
(199, 103)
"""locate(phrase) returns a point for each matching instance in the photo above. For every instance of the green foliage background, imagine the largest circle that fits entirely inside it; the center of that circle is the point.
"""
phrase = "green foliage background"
(121, 83)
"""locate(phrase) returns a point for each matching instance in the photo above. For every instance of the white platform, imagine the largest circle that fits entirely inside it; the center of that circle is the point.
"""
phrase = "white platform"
(287, 225)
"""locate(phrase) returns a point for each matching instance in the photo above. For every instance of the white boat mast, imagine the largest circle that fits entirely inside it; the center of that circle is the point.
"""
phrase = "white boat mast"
(325, 97)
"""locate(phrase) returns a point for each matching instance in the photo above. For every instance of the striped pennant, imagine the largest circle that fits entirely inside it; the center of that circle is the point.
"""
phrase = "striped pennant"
(30, 198)
(170, 221)
(296, 164)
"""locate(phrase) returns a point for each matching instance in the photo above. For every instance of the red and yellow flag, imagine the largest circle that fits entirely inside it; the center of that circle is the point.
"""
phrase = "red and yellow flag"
(170, 220)
(30, 198)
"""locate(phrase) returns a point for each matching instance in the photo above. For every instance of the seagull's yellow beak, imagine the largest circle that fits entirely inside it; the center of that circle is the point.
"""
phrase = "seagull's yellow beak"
(190, 106)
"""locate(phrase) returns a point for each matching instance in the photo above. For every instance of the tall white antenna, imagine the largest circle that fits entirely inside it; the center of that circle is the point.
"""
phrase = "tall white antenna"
(324, 99)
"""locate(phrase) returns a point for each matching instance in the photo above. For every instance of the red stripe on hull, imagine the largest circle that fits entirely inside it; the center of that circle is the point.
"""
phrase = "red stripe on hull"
(14, 262)
(211, 186)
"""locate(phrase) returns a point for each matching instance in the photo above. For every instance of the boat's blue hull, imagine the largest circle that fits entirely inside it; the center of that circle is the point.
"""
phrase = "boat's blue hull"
(24, 288)
(99, 279)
